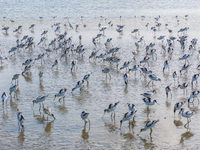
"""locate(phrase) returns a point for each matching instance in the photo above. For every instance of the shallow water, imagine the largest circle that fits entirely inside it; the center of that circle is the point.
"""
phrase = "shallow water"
(68, 131)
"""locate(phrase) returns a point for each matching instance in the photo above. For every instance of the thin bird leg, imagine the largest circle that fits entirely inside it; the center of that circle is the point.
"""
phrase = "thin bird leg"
(150, 131)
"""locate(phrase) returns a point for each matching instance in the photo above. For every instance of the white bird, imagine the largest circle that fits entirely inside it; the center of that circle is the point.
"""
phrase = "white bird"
(187, 115)
(127, 116)
(149, 125)
(79, 84)
(126, 75)
(40, 99)
(4, 97)
(148, 101)
(47, 111)
(111, 108)
(106, 70)
(27, 62)
(193, 95)
(61, 93)
(131, 107)
(195, 78)
(177, 106)
(55, 64)
(148, 93)
(13, 89)
(84, 116)
(15, 77)
(20, 118)
(86, 77)
(153, 78)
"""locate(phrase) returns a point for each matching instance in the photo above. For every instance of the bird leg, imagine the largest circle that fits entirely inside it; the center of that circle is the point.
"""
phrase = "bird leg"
(150, 131)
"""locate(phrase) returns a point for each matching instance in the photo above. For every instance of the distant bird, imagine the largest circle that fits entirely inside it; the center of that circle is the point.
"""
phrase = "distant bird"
(40, 75)
(166, 65)
(6, 29)
(188, 115)
(125, 65)
(174, 75)
(84, 116)
(145, 60)
(111, 108)
(195, 78)
(145, 71)
(86, 77)
(149, 125)
(40, 100)
(40, 56)
(47, 111)
(183, 86)
(106, 71)
(168, 90)
(185, 67)
(4, 97)
(73, 64)
(13, 89)
(177, 106)
(148, 101)
(27, 62)
(193, 95)
(61, 93)
(20, 118)
(131, 107)
(153, 78)
(15, 77)
(126, 75)
(79, 84)
(127, 116)
(55, 64)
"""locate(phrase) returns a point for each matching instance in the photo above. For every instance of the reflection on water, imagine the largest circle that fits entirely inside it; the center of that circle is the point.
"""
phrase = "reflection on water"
(178, 123)
(148, 143)
(48, 126)
(85, 134)
(111, 126)
(186, 136)
(21, 136)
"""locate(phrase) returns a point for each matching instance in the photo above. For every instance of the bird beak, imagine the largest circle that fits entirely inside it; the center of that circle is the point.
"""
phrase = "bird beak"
(157, 103)
(54, 98)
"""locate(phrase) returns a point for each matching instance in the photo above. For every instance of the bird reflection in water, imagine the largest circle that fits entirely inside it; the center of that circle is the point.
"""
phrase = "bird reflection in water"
(186, 136)
(48, 126)
(85, 133)
(61, 108)
(111, 126)
(28, 78)
(41, 86)
(148, 144)
(168, 104)
(178, 123)
(21, 136)
(5, 113)
(39, 117)
(13, 105)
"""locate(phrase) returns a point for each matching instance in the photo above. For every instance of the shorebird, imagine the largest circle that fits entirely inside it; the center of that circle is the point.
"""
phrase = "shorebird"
(40, 56)
(131, 107)
(166, 65)
(148, 101)
(111, 108)
(135, 68)
(40, 100)
(125, 65)
(20, 118)
(183, 86)
(40, 75)
(26, 69)
(15, 77)
(177, 106)
(84, 116)
(185, 67)
(187, 115)
(13, 89)
(193, 95)
(106, 71)
(4, 97)
(86, 78)
(149, 125)
(127, 116)
(47, 111)
(145, 71)
(168, 90)
(27, 62)
(61, 93)
(145, 60)
(153, 78)
(73, 65)
(55, 64)
(79, 84)
(195, 78)
(126, 75)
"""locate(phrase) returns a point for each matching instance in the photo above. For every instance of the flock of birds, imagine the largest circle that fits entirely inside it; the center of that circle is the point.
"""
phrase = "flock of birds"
(65, 45)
